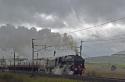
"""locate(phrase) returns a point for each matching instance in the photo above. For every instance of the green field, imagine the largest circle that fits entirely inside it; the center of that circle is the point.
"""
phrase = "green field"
(104, 70)
(11, 77)
(101, 66)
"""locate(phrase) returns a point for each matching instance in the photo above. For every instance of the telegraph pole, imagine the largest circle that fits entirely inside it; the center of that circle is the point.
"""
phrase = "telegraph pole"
(33, 55)
(33, 51)
(14, 58)
(81, 48)
(10, 62)
(3, 64)
(4, 61)
(54, 53)
(37, 57)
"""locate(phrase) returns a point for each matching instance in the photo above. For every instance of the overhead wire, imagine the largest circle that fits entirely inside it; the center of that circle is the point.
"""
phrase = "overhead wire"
(111, 21)
(105, 40)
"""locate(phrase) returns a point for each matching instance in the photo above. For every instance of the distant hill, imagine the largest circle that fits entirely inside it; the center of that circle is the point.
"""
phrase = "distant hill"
(121, 53)
(118, 58)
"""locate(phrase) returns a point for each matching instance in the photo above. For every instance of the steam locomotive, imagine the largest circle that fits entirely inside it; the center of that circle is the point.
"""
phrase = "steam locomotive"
(71, 65)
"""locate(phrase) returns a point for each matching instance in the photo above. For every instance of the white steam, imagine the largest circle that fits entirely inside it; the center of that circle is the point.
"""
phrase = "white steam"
(20, 38)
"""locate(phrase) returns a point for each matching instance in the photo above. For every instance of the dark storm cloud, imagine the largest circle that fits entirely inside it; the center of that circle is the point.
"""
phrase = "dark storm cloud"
(90, 11)
(64, 14)
(100, 9)
(23, 11)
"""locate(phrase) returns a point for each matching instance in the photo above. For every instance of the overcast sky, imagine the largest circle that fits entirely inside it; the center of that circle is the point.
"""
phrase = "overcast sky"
(70, 15)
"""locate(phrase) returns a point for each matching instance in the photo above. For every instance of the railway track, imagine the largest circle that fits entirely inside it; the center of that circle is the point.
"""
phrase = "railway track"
(78, 78)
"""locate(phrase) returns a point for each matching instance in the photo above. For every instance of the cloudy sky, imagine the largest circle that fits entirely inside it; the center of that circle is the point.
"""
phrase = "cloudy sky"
(70, 15)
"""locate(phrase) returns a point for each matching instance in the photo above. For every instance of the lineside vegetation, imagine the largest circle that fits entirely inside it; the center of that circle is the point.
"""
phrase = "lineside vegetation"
(12, 77)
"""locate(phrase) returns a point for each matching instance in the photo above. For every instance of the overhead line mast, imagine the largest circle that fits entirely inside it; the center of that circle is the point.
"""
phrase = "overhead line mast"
(81, 48)
(33, 51)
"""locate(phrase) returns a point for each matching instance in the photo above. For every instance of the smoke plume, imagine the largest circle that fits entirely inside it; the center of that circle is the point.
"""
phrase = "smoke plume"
(20, 38)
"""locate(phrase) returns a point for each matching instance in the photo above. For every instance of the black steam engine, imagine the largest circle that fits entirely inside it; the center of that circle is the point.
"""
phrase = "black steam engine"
(70, 64)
